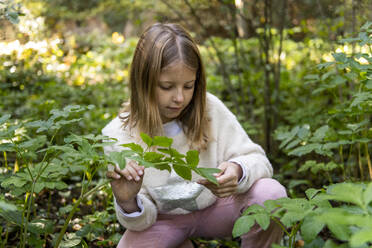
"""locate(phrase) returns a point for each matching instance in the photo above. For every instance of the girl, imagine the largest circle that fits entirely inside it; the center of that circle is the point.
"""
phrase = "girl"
(168, 97)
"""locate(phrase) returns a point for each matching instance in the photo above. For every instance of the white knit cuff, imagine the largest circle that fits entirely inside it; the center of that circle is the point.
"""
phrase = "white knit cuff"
(134, 214)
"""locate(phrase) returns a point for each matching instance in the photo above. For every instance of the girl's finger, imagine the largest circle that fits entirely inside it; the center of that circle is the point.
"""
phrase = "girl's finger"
(112, 175)
(138, 168)
(226, 190)
(132, 173)
(224, 195)
(227, 181)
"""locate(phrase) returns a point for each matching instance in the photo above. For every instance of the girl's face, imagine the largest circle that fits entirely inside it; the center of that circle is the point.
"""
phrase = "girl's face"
(174, 90)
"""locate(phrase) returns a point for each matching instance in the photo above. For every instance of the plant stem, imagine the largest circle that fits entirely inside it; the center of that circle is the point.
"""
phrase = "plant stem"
(62, 232)
(329, 177)
(360, 163)
(83, 195)
(5, 160)
(368, 160)
(34, 180)
(281, 225)
(342, 162)
(29, 203)
(348, 159)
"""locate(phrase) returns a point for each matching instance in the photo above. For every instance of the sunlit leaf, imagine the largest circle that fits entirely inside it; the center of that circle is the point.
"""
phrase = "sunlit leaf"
(192, 158)
(162, 141)
(183, 171)
(147, 139)
(243, 225)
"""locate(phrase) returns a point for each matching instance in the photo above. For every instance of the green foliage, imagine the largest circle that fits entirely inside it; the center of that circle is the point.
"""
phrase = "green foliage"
(348, 218)
(166, 158)
(10, 10)
(337, 146)
(345, 134)
(45, 165)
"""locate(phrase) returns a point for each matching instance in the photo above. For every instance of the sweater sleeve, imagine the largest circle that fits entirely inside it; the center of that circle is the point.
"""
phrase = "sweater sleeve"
(233, 144)
(149, 214)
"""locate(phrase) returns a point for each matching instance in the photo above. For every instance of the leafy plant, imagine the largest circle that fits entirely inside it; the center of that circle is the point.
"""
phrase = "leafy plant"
(344, 209)
(10, 10)
(342, 140)
(166, 158)
(44, 165)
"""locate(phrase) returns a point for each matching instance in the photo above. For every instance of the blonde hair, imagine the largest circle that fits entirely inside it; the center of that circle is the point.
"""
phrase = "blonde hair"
(159, 46)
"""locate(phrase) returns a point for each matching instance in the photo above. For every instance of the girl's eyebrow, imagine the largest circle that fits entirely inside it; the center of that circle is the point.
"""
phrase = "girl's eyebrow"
(165, 81)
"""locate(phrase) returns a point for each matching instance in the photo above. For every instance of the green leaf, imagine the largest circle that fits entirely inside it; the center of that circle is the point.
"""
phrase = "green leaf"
(295, 182)
(340, 57)
(174, 153)
(310, 193)
(331, 244)
(183, 171)
(293, 143)
(310, 228)
(366, 25)
(56, 185)
(243, 225)
(263, 220)
(254, 209)
(134, 147)
(163, 166)
(192, 158)
(153, 157)
(361, 237)
(320, 133)
(292, 217)
(325, 65)
(302, 150)
(4, 118)
(41, 226)
(34, 144)
(70, 240)
(147, 139)
(12, 17)
(10, 213)
(288, 136)
(142, 162)
(7, 147)
(346, 192)
(308, 165)
(15, 180)
(166, 151)
(304, 132)
(340, 231)
(271, 205)
(367, 195)
(162, 141)
(207, 173)
(39, 186)
(118, 158)
(42, 125)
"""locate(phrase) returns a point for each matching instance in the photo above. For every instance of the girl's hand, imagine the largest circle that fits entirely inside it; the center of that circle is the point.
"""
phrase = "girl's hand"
(126, 184)
(227, 179)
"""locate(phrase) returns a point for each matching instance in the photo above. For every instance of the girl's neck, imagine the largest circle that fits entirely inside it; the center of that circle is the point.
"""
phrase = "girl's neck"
(172, 128)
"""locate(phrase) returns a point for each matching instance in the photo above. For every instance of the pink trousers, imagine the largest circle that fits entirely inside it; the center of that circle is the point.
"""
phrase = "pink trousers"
(216, 221)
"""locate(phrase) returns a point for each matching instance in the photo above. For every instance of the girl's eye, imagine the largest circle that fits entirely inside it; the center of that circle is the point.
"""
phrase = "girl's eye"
(165, 87)
(189, 87)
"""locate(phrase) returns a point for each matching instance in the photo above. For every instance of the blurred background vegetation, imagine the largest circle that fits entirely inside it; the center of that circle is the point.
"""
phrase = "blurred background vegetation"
(296, 73)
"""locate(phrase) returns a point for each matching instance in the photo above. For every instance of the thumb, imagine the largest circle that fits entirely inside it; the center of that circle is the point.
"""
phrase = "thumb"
(223, 168)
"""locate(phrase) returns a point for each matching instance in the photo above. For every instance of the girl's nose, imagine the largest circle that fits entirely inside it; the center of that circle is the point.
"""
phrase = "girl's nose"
(179, 96)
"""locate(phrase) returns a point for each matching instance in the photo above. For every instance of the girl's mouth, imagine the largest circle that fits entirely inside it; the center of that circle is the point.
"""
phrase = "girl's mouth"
(174, 109)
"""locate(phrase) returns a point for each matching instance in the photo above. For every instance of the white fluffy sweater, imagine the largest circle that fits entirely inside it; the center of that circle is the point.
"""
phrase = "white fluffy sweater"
(167, 193)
